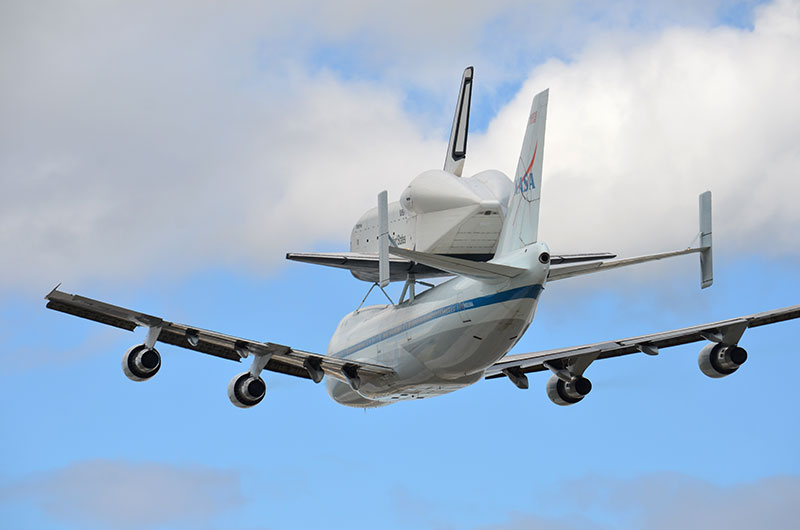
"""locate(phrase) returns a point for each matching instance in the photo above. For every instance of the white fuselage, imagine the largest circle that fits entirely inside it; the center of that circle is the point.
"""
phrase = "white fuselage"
(444, 339)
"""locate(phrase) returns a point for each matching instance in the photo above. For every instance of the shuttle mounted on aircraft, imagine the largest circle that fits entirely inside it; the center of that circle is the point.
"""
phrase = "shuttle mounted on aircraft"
(440, 212)
(456, 333)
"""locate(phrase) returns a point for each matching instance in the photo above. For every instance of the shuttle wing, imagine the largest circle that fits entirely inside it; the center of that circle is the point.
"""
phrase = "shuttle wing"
(725, 331)
(283, 359)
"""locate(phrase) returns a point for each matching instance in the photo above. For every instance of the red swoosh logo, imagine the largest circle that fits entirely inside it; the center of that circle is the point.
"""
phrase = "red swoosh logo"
(532, 159)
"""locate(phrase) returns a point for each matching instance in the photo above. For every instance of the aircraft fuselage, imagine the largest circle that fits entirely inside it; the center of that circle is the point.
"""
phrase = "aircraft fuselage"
(444, 339)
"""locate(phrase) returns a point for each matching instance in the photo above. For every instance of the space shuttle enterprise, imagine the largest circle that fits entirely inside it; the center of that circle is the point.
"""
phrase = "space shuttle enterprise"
(440, 212)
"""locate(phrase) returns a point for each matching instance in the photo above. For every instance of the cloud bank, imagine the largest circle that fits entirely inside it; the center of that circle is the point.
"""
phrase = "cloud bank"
(141, 141)
(663, 501)
(637, 130)
(114, 494)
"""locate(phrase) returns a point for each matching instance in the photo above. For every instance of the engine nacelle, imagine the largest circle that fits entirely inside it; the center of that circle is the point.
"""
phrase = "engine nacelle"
(718, 360)
(140, 363)
(245, 391)
(564, 394)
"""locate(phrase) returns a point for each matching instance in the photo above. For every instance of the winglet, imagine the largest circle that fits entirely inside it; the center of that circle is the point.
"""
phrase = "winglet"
(706, 261)
(383, 239)
(457, 148)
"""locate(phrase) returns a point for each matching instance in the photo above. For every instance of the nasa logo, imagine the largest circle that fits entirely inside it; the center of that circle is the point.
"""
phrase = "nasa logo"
(525, 182)
(532, 118)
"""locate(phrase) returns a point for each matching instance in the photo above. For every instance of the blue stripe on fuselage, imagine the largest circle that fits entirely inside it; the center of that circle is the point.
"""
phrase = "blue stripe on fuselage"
(530, 291)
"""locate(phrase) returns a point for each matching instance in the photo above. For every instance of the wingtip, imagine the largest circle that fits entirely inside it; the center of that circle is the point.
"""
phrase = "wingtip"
(52, 291)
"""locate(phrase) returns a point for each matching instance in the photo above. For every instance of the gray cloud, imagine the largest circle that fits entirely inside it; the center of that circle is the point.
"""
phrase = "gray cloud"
(115, 494)
(665, 501)
(141, 138)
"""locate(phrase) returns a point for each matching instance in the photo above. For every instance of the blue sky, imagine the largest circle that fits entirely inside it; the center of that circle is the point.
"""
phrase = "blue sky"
(166, 158)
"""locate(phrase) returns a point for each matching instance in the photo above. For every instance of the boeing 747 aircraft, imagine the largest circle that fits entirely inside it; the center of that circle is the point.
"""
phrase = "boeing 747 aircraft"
(453, 334)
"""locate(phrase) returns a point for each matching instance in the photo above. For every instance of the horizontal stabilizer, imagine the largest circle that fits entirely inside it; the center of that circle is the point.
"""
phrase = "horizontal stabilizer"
(462, 267)
(365, 266)
(564, 259)
(559, 273)
(704, 249)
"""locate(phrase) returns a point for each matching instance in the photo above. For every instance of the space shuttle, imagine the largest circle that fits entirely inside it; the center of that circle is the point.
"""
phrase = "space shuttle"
(440, 212)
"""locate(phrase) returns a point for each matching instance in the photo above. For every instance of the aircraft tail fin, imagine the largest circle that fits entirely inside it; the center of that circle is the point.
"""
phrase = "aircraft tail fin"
(457, 148)
(383, 239)
(521, 225)
(706, 262)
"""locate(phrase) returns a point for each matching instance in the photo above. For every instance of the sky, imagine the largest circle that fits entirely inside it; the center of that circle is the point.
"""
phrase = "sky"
(165, 157)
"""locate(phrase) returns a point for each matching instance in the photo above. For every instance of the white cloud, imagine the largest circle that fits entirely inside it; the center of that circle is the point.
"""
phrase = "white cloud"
(114, 494)
(148, 139)
(637, 130)
(665, 501)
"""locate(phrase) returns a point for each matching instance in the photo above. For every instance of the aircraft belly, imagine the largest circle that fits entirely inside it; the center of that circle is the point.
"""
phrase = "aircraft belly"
(438, 355)
(344, 395)
(467, 348)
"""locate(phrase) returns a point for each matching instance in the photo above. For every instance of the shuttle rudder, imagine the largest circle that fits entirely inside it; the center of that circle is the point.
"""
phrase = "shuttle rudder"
(457, 147)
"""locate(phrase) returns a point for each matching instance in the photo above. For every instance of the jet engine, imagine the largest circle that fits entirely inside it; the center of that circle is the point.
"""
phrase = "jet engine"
(245, 391)
(718, 360)
(140, 363)
(563, 393)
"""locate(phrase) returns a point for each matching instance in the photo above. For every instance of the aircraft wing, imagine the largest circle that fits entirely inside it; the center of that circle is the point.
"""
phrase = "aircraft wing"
(579, 357)
(283, 359)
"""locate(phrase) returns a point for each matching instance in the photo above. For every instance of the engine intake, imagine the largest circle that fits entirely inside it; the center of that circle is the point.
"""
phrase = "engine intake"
(246, 391)
(140, 363)
(563, 393)
(719, 360)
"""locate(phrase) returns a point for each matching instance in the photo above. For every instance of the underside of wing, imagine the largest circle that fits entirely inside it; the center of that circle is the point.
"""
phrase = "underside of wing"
(720, 357)
(275, 357)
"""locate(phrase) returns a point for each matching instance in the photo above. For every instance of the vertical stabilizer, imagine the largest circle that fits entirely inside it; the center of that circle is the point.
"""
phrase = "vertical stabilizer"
(383, 239)
(706, 262)
(457, 148)
(521, 225)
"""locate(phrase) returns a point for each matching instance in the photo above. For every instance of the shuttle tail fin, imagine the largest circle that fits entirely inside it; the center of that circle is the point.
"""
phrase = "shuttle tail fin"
(457, 148)
(521, 225)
